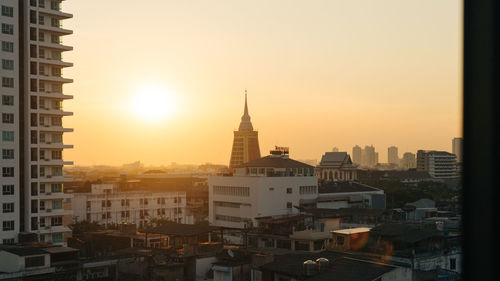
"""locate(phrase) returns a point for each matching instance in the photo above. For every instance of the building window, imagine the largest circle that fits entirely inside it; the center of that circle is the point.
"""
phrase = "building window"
(8, 189)
(56, 221)
(8, 118)
(8, 225)
(7, 136)
(7, 28)
(34, 261)
(8, 207)
(7, 46)
(7, 82)
(7, 153)
(57, 204)
(56, 187)
(41, 3)
(288, 205)
(8, 172)
(8, 241)
(453, 264)
(7, 64)
(7, 100)
(340, 240)
(289, 190)
(7, 11)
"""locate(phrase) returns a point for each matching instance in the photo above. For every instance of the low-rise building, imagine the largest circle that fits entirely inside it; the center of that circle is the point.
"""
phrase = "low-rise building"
(337, 166)
(439, 164)
(336, 195)
(268, 186)
(106, 204)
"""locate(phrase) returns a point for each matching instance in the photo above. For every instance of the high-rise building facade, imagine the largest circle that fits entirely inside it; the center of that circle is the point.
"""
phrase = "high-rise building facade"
(369, 157)
(392, 155)
(439, 164)
(357, 155)
(245, 143)
(32, 178)
(457, 146)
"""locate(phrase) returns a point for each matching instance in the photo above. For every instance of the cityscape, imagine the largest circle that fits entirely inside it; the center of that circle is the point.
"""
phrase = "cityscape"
(300, 191)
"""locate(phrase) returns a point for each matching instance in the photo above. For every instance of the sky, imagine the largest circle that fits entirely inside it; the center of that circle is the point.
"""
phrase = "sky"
(163, 81)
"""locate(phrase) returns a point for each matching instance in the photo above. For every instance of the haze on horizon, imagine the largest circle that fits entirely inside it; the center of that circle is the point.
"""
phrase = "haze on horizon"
(320, 74)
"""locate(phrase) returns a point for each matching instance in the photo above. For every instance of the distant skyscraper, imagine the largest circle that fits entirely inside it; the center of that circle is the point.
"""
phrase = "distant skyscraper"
(457, 146)
(392, 155)
(369, 157)
(246, 141)
(32, 128)
(357, 153)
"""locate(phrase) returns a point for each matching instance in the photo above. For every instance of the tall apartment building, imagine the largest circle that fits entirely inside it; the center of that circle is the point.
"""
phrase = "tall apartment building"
(245, 143)
(369, 157)
(439, 164)
(32, 131)
(357, 155)
(106, 204)
(392, 155)
(457, 147)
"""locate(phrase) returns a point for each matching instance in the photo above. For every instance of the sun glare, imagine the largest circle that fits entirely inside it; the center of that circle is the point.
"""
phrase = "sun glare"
(152, 104)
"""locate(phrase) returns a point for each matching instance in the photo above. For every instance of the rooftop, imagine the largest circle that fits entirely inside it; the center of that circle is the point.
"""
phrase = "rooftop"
(352, 230)
(275, 162)
(344, 186)
(341, 268)
(182, 229)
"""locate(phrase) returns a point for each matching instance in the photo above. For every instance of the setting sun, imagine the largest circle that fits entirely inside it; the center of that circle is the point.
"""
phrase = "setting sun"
(152, 103)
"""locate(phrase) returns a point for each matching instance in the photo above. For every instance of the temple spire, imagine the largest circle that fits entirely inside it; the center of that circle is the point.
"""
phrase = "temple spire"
(246, 124)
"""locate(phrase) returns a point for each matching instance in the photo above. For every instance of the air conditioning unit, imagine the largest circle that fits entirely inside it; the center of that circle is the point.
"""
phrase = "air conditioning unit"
(46, 159)
(47, 227)
(49, 176)
(46, 125)
(49, 210)
(48, 142)
(48, 193)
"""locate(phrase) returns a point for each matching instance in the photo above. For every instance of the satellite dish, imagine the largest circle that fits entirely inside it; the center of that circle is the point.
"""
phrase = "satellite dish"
(230, 253)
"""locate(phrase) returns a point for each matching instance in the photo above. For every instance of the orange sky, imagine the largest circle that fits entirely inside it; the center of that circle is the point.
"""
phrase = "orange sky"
(319, 74)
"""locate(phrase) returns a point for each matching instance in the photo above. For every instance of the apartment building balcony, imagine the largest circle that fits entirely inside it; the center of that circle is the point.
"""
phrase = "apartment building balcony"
(48, 144)
(54, 78)
(53, 162)
(49, 212)
(54, 111)
(55, 13)
(55, 46)
(53, 61)
(52, 128)
(54, 179)
(54, 29)
(54, 195)
(54, 95)
(53, 229)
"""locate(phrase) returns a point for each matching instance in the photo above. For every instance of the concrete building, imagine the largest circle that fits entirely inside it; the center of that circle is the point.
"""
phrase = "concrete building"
(268, 186)
(408, 161)
(336, 195)
(392, 155)
(357, 155)
(337, 166)
(31, 128)
(457, 148)
(246, 141)
(369, 157)
(439, 164)
(107, 205)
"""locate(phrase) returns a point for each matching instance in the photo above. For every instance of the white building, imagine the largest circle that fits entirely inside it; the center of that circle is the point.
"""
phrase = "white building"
(268, 186)
(31, 128)
(439, 164)
(107, 205)
(392, 155)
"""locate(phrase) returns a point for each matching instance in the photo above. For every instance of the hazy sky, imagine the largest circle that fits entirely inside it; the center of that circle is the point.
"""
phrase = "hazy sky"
(319, 74)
